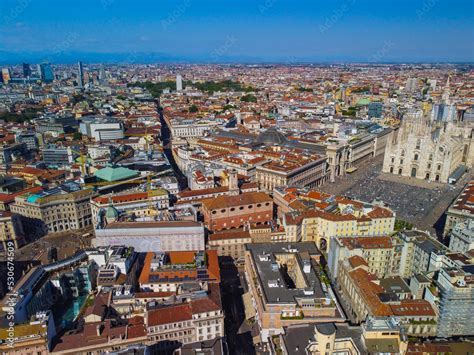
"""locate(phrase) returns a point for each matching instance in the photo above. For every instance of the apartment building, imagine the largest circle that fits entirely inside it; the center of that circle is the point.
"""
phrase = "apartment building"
(197, 320)
(318, 217)
(461, 209)
(365, 295)
(461, 238)
(168, 272)
(381, 254)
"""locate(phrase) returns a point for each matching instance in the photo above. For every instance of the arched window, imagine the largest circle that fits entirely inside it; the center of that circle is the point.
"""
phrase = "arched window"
(416, 156)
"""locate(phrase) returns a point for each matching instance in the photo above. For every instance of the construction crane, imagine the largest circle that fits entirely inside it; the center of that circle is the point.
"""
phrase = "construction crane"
(82, 160)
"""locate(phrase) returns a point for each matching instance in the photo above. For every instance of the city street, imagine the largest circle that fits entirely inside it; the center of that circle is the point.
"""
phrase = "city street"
(238, 331)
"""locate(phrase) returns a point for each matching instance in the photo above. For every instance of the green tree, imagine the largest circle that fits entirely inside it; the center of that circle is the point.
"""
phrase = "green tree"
(193, 108)
(248, 98)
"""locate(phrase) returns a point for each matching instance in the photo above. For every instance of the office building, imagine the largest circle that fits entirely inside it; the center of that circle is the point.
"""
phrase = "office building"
(101, 128)
(286, 285)
(456, 301)
(26, 70)
(154, 236)
(375, 110)
(29, 138)
(179, 83)
(57, 156)
(46, 72)
(6, 75)
(80, 77)
(55, 210)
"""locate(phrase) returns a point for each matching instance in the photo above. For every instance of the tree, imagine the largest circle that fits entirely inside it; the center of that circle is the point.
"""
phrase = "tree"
(77, 136)
(193, 108)
(248, 98)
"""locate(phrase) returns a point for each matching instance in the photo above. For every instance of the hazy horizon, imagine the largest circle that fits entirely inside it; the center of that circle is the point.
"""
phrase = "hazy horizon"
(237, 31)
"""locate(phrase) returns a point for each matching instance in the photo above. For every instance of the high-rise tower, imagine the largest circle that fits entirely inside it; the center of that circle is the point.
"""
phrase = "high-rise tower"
(179, 83)
(81, 75)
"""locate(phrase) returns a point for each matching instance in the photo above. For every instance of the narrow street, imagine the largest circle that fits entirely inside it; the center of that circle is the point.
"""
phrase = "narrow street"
(238, 331)
(167, 146)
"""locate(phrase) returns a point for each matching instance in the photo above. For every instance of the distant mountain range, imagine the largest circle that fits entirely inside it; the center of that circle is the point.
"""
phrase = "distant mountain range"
(8, 57)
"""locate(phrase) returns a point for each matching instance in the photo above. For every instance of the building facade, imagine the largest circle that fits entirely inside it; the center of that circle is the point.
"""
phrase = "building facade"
(226, 212)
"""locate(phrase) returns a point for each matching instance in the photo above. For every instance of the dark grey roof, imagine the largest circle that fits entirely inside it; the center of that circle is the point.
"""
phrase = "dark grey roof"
(326, 328)
(297, 337)
(272, 136)
(394, 285)
(271, 277)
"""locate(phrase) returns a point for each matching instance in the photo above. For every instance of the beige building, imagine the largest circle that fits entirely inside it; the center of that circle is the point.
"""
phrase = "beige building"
(11, 230)
(55, 213)
(286, 288)
(319, 217)
(198, 320)
(461, 209)
(425, 150)
(311, 173)
(367, 296)
(230, 243)
(381, 255)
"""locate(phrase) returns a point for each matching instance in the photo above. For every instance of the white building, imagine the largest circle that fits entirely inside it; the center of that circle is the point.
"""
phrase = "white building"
(179, 83)
(152, 236)
(188, 128)
(101, 128)
(462, 237)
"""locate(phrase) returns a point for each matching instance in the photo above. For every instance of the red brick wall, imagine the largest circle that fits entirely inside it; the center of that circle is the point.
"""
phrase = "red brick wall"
(235, 217)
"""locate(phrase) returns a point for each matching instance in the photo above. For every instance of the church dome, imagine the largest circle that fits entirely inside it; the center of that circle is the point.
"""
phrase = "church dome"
(111, 213)
(271, 136)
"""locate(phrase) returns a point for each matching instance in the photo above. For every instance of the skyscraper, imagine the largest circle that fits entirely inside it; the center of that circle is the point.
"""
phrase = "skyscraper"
(46, 72)
(6, 75)
(81, 75)
(179, 83)
(26, 70)
(102, 74)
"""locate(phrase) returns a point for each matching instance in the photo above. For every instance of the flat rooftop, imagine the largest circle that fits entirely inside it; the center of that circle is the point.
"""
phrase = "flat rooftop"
(273, 278)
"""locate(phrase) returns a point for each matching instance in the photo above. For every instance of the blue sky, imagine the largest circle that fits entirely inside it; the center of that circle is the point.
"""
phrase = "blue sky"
(226, 30)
